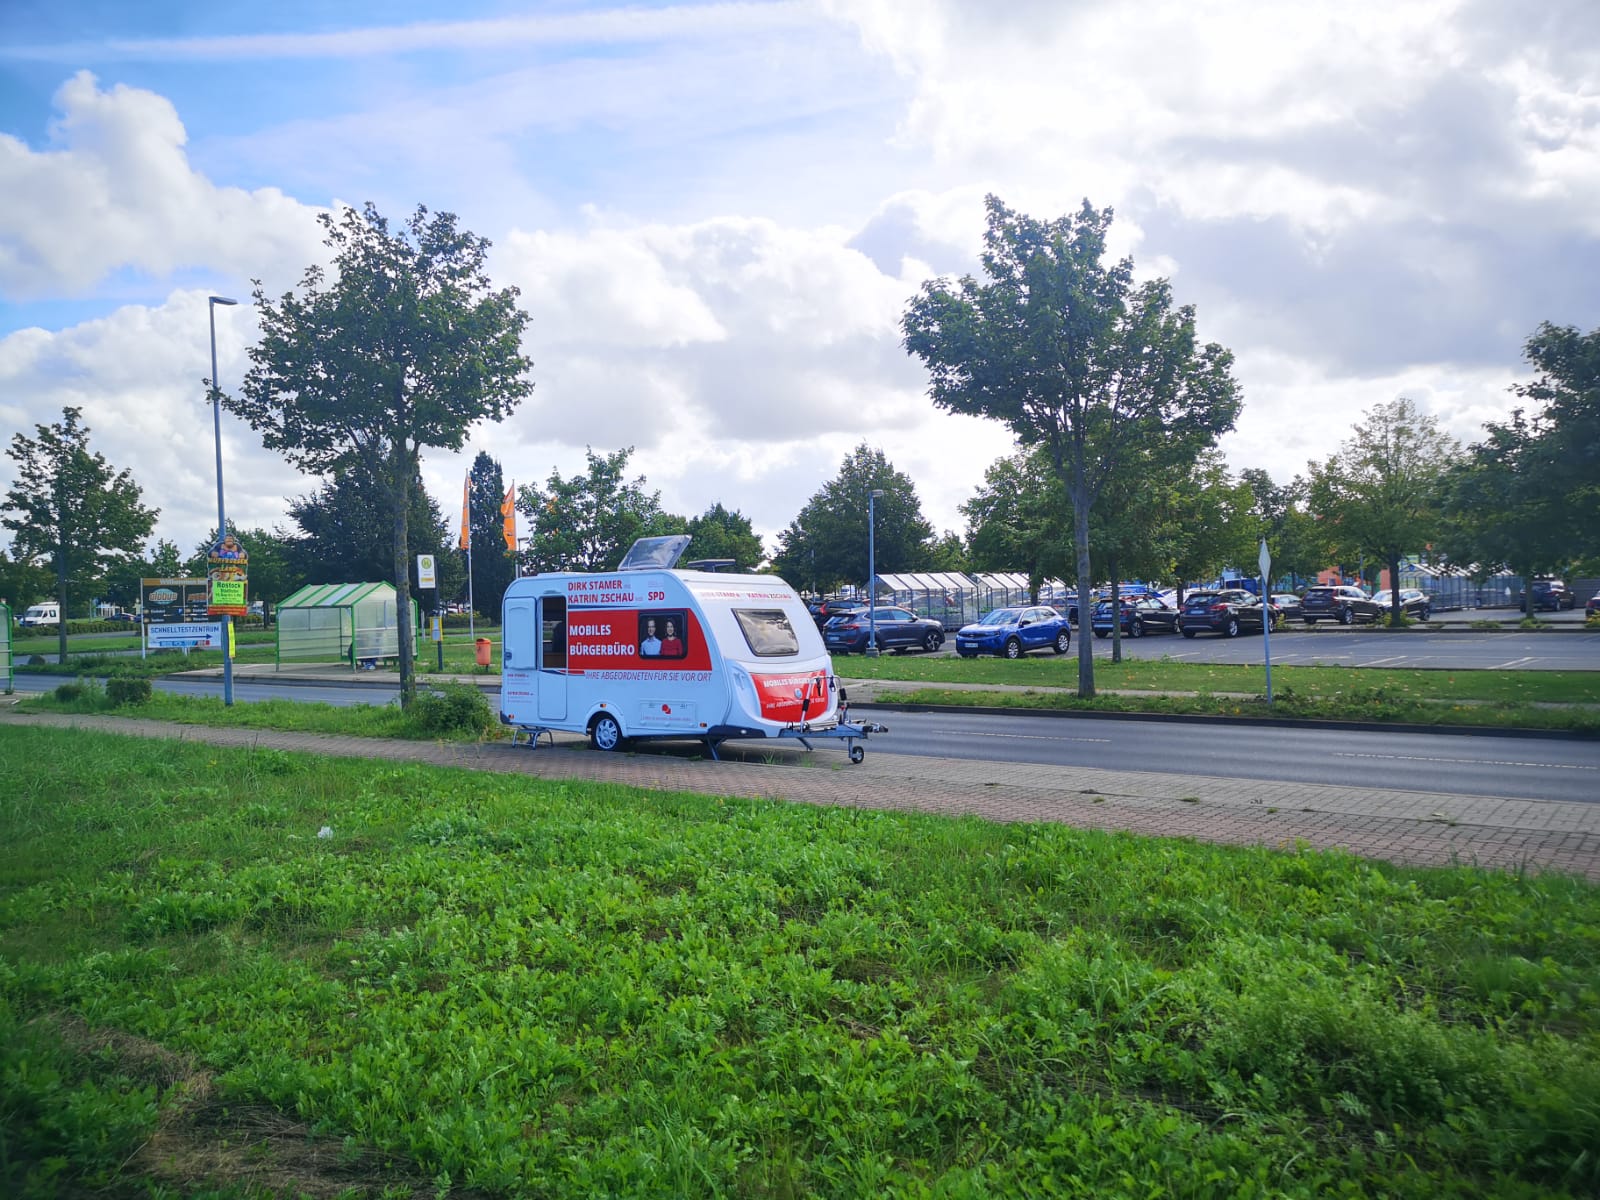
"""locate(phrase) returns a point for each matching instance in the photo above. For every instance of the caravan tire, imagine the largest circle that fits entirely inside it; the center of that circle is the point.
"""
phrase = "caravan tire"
(605, 733)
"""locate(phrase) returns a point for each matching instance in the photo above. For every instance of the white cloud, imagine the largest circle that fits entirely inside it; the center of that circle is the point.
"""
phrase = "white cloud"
(116, 190)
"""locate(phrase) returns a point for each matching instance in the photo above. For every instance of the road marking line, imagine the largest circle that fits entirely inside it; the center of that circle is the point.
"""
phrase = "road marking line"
(1378, 662)
(1021, 737)
(1471, 762)
(1515, 662)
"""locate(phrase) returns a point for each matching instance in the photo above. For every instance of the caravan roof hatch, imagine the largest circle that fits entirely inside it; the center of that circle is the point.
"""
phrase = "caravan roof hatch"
(655, 553)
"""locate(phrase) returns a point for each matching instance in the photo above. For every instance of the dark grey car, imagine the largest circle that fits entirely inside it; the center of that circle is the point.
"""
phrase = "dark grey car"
(1338, 602)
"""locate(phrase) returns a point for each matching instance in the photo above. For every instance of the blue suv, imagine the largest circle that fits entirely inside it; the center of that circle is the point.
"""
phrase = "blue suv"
(1012, 632)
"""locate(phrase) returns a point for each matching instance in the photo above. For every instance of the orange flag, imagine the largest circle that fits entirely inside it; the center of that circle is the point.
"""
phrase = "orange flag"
(508, 510)
(466, 531)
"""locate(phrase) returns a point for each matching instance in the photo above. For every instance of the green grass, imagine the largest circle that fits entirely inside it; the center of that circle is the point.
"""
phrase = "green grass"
(1161, 675)
(521, 987)
(294, 716)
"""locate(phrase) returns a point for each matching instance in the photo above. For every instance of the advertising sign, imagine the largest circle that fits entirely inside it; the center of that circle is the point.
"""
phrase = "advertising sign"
(227, 568)
(186, 635)
(163, 600)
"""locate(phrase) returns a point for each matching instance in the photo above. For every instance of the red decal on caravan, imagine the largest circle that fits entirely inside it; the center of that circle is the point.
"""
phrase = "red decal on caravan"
(661, 639)
(778, 699)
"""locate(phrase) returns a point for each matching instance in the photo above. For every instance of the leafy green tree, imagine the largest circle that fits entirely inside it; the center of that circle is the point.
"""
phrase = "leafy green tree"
(826, 544)
(1074, 357)
(493, 565)
(1566, 428)
(163, 560)
(1298, 541)
(719, 533)
(405, 348)
(1498, 507)
(1018, 520)
(344, 535)
(1216, 523)
(71, 508)
(587, 522)
(1380, 494)
(21, 582)
(948, 553)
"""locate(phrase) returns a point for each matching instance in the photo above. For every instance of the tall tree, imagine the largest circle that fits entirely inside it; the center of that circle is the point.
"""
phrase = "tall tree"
(70, 507)
(1298, 541)
(404, 349)
(1018, 520)
(1074, 357)
(344, 534)
(22, 582)
(493, 565)
(719, 533)
(1215, 522)
(1567, 426)
(826, 544)
(587, 522)
(1499, 508)
(1380, 493)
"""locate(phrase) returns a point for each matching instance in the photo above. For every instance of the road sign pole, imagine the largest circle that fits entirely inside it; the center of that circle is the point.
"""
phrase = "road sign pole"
(1264, 561)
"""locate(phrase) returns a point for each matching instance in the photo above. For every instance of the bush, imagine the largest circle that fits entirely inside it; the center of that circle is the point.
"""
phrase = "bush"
(445, 708)
(69, 693)
(127, 689)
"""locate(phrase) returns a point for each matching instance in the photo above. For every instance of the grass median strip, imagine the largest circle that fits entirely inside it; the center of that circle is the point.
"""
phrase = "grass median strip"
(443, 978)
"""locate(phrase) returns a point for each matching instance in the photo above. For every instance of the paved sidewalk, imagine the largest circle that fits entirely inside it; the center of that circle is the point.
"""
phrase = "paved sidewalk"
(1415, 827)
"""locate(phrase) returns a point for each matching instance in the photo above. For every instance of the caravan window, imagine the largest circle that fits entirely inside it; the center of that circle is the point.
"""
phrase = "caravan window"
(767, 632)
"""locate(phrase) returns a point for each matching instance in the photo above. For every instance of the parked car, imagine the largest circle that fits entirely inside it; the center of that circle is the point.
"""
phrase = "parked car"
(825, 610)
(1592, 608)
(897, 629)
(1226, 612)
(1140, 615)
(1287, 604)
(1339, 602)
(1012, 632)
(1552, 594)
(1412, 602)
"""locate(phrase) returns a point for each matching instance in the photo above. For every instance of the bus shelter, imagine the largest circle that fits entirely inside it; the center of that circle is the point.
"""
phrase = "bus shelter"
(5, 646)
(354, 623)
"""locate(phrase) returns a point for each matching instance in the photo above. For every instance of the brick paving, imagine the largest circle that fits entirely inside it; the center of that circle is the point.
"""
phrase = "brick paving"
(1413, 827)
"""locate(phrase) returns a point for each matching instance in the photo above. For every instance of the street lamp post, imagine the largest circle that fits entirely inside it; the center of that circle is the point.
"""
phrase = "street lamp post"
(872, 573)
(222, 516)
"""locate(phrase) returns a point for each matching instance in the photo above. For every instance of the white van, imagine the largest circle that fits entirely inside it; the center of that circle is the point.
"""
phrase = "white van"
(40, 614)
(648, 651)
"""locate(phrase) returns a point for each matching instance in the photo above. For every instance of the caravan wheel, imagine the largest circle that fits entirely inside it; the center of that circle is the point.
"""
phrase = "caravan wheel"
(605, 733)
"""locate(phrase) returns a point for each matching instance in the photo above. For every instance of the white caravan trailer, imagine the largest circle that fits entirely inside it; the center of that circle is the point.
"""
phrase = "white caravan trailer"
(648, 651)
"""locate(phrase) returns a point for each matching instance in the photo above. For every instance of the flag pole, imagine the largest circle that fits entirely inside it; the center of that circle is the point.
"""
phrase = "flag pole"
(466, 544)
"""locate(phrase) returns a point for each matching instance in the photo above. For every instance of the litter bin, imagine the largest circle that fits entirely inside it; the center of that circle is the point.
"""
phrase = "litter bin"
(483, 645)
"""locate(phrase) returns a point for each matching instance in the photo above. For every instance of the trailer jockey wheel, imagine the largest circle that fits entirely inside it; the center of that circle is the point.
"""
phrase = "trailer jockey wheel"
(857, 753)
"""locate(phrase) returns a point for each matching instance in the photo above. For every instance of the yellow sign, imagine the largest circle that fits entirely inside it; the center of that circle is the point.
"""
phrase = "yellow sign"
(227, 565)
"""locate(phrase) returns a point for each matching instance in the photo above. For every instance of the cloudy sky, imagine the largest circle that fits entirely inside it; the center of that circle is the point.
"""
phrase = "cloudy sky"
(716, 212)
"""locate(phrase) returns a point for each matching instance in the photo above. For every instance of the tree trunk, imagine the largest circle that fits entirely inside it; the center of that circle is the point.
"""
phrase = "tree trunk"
(61, 602)
(1394, 591)
(1116, 608)
(400, 491)
(1080, 543)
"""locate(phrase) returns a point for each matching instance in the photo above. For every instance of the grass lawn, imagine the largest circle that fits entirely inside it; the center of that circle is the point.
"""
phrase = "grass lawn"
(517, 987)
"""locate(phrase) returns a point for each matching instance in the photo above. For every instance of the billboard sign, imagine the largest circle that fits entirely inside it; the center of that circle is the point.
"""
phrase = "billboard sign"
(187, 635)
(163, 600)
(227, 566)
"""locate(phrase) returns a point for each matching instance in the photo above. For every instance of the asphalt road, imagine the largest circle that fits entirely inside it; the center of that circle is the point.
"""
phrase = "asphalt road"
(1473, 764)
(1327, 645)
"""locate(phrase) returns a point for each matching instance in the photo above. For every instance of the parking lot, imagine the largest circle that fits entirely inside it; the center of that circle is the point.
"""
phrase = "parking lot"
(1564, 646)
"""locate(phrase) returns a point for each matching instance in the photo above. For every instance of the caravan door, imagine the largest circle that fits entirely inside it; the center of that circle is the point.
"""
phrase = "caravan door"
(552, 684)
